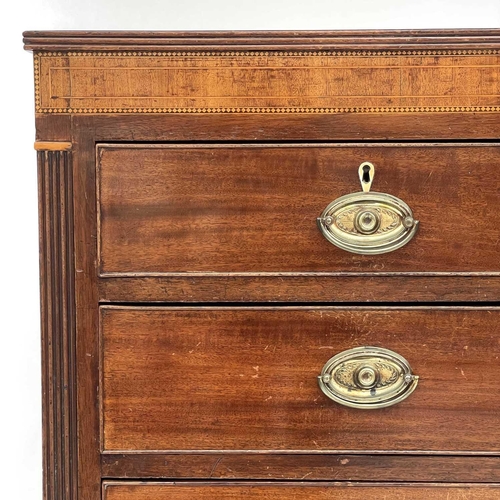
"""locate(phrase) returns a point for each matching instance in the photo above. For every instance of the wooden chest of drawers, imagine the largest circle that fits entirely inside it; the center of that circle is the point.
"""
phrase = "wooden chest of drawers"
(269, 264)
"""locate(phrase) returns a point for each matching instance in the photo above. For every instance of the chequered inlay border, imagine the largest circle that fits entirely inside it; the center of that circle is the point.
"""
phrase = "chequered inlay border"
(263, 110)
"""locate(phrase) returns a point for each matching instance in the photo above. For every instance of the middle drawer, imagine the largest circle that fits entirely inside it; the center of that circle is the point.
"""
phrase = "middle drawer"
(216, 378)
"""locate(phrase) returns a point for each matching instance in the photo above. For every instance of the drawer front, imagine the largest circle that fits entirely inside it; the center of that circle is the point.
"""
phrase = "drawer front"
(254, 208)
(247, 379)
(301, 491)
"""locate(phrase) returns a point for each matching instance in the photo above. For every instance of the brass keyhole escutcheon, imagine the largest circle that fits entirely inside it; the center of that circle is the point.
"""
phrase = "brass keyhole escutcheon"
(366, 172)
(367, 222)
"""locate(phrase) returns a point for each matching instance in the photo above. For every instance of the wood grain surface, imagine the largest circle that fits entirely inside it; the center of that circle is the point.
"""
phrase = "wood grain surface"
(386, 127)
(335, 289)
(311, 491)
(57, 294)
(86, 315)
(246, 379)
(212, 198)
(253, 208)
(464, 39)
(324, 81)
(299, 467)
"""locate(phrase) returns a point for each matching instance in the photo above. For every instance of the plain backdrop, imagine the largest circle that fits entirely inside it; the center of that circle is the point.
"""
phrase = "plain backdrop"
(20, 414)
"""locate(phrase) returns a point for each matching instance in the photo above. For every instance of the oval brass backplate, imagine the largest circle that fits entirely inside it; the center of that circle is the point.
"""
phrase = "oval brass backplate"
(367, 222)
(367, 378)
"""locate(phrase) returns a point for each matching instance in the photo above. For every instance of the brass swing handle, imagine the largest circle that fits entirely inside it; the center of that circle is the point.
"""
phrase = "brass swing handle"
(367, 222)
(367, 378)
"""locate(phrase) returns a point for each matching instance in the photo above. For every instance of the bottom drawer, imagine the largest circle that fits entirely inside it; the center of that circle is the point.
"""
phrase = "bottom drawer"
(297, 491)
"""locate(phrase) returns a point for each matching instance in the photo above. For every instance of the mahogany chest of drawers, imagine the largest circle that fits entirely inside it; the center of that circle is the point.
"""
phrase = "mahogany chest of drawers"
(269, 264)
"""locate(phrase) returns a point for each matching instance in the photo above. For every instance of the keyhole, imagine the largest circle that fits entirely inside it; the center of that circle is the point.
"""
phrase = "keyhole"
(366, 174)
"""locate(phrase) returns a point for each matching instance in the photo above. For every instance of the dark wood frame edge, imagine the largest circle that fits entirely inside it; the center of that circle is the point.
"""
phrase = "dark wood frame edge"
(315, 467)
(57, 290)
(262, 40)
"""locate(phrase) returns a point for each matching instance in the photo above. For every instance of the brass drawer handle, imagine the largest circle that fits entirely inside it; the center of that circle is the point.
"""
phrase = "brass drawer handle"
(368, 223)
(367, 378)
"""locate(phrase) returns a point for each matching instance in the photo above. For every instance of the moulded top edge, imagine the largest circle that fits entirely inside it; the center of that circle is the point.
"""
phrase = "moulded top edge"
(261, 40)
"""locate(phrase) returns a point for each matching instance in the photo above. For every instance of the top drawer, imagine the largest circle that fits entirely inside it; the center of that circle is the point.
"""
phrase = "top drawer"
(227, 208)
